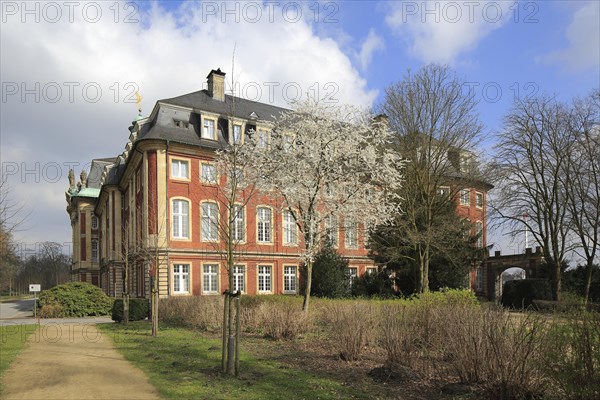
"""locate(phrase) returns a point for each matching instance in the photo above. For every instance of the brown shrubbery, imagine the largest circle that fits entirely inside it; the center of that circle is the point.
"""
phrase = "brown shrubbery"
(503, 355)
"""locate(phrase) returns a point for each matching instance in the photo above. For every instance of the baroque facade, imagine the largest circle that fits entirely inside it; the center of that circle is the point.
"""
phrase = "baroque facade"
(153, 206)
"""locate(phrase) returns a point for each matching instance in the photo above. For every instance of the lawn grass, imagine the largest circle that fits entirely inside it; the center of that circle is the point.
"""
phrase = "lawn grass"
(183, 364)
(12, 341)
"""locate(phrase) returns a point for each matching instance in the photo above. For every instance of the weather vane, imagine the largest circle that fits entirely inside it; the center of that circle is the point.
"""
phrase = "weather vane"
(138, 101)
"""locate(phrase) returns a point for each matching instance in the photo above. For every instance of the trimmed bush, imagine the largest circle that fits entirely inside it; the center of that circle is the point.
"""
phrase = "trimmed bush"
(520, 293)
(330, 275)
(138, 310)
(73, 299)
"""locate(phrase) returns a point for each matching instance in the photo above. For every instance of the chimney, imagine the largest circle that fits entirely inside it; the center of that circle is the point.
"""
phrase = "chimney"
(382, 120)
(216, 84)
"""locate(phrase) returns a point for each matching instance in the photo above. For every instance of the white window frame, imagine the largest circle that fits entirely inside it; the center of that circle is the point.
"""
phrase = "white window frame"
(351, 234)
(352, 273)
(209, 224)
(94, 222)
(209, 128)
(290, 279)
(444, 191)
(210, 278)
(465, 197)
(290, 229)
(181, 278)
(371, 271)
(478, 196)
(239, 278)
(239, 223)
(238, 139)
(177, 229)
(264, 223)
(479, 231)
(262, 139)
(265, 278)
(332, 230)
(94, 245)
(176, 172)
(208, 173)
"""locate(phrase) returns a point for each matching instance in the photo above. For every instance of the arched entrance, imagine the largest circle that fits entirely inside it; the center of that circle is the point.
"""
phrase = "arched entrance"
(494, 267)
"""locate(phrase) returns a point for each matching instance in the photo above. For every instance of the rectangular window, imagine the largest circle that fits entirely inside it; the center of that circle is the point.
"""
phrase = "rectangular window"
(479, 200)
(239, 273)
(208, 173)
(264, 278)
(464, 197)
(444, 191)
(263, 224)
(479, 280)
(239, 231)
(289, 279)
(208, 129)
(181, 278)
(263, 139)
(290, 230)
(179, 169)
(237, 134)
(210, 222)
(331, 230)
(94, 222)
(94, 250)
(180, 219)
(351, 234)
(352, 273)
(210, 278)
(479, 233)
(371, 271)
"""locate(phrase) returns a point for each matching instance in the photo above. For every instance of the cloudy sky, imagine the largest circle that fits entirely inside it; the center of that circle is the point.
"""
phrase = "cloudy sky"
(69, 69)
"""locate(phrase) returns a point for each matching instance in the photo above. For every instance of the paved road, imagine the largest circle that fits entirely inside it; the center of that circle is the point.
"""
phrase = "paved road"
(17, 309)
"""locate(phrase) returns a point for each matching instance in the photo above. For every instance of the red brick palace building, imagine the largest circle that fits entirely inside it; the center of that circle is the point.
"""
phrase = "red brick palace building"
(156, 196)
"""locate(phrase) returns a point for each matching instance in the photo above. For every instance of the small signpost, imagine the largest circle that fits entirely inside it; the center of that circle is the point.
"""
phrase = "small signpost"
(35, 288)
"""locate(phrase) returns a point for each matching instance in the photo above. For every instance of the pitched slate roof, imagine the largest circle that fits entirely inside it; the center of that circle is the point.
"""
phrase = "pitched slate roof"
(234, 106)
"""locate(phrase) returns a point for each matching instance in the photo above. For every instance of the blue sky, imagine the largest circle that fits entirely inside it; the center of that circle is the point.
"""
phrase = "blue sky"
(351, 50)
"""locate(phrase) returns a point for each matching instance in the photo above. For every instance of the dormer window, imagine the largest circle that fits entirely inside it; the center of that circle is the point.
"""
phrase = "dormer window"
(208, 129)
(237, 134)
(263, 139)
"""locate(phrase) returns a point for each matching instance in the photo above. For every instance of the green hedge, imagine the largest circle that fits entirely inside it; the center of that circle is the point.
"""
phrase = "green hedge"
(138, 310)
(520, 293)
(73, 299)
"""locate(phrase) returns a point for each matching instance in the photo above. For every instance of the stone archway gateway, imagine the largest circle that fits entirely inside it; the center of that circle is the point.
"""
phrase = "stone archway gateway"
(489, 274)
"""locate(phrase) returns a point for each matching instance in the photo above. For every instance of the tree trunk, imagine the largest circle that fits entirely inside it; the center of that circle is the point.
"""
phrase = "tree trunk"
(308, 286)
(224, 342)
(588, 281)
(230, 339)
(237, 335)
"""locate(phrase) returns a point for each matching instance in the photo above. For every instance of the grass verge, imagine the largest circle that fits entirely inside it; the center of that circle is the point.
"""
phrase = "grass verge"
(183, 364)
(12, 341)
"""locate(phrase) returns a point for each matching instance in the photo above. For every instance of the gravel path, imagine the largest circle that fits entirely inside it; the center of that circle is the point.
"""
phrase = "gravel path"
(73, 360)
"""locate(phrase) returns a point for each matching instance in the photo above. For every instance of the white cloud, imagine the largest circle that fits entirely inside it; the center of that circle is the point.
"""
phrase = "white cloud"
(438, 31)
(165, 54)
(372, 44)
(583, 35)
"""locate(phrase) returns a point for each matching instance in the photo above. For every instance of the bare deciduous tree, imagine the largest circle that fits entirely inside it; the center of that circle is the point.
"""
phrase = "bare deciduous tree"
(533, 167)
(584, 181)
(434, 119)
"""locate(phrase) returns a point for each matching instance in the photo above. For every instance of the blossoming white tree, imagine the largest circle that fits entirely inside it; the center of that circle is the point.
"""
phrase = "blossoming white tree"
(330, 164)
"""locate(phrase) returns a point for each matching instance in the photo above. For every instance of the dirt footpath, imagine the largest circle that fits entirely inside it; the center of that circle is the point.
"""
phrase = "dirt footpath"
(73, 361)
